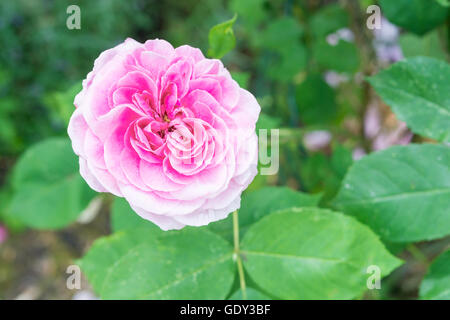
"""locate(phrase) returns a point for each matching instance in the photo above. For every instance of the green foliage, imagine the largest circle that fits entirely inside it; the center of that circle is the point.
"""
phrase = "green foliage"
(418, 16)
(402, 193)
(306, 76)
(242, 78)
(282, 38)
(428, 45)
(252, 294)
(49, 192)
(311, 253)
(124, 218)
(252, 10)
(175, 265)
(436, 285)
(418, 91)
(260, 203)
(343, 57)
(316, 101)
(221, 39)
(329, 19)
(61, 103)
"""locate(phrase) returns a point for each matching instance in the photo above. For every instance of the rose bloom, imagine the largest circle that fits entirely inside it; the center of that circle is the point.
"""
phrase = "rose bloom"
(167, 129)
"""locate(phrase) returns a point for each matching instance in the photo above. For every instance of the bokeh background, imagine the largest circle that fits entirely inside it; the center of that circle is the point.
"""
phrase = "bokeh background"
(305, 61)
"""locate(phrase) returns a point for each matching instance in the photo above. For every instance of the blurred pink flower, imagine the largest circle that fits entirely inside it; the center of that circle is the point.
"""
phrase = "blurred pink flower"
(316, 140)
(168, 130)
(3, 233)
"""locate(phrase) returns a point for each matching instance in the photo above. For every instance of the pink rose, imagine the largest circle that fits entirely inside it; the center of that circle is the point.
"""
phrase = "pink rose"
(168, 130)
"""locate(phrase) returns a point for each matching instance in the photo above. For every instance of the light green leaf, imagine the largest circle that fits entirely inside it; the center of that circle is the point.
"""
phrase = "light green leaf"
(108, 250)
(221, 39)
(402, 193)
(260, 203)
(418, 91)
(418, 16)
(445, 3)
(124, 218)
(428, 45)
(252, 294)
(186, 264)
(436, 284)
(311, 253)
(61, 103)
(49, 192)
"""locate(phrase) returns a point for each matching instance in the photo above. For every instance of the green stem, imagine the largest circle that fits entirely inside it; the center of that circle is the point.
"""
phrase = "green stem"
(417, 254)
(237, 254)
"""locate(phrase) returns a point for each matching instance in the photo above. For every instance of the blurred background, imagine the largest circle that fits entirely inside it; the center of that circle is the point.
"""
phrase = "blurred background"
(304, 60)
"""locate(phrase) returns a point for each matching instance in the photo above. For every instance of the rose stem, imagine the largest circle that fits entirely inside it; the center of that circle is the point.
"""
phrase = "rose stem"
(237, 253)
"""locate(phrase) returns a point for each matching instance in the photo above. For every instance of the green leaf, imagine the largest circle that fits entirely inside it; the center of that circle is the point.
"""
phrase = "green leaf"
(49, 192)
(252, 294)
(292, 60)
(418, 92)
(124, 218)
(436, 284)
(280, 33)
(418, 16)
(312, 253)
(221, 39)
(326, 54)
(282, 37)
(252, 11)
(445, 3)
(328, 19)
(260, 203)
(187, 264)
(428, 45)
(242, 78)
(315, 100)
(106, 251)
(11, 221)
(267, 122)
(61, 103)
(402, 193)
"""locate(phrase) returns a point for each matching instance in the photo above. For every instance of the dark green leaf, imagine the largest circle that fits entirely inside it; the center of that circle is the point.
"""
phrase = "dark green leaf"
(418, 16)
(329, 19)
(343, 57)
(315, 100)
